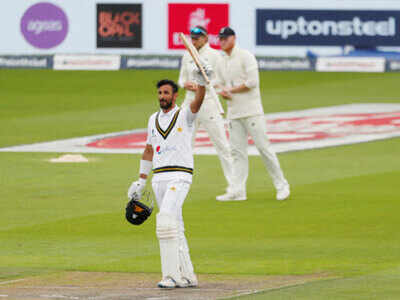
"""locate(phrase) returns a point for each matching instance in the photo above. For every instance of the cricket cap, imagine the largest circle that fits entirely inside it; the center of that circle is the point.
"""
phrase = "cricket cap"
(225, 32)
(197, 31)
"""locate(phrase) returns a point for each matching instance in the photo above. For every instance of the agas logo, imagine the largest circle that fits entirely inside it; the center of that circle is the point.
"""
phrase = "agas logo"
(44, 25)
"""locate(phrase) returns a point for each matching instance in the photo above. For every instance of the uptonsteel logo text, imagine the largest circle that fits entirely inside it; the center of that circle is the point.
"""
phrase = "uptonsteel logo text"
(358, 27)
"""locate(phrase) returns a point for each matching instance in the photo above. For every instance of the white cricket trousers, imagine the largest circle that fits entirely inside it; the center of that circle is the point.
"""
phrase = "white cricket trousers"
(213, 123)
(255, 126)
(170, 196)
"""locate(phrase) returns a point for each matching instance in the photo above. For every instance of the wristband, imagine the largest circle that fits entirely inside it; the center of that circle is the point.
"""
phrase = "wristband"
(145, 167)
(142, 181)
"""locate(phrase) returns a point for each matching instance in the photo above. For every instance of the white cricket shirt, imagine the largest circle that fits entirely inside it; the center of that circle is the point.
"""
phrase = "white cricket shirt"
(241, 68)
(170, 135)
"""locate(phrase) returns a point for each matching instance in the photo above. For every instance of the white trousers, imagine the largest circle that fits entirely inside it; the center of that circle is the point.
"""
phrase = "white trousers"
(170, 196)
(255, 126)
(213, 123)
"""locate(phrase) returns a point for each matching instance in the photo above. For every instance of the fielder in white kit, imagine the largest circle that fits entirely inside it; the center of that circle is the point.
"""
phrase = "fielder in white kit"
(238, 80)
(209, 115)
(168, 153)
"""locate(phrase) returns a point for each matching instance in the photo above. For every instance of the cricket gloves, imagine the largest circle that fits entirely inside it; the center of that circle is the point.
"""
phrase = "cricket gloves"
(136, 189)
(198, 75)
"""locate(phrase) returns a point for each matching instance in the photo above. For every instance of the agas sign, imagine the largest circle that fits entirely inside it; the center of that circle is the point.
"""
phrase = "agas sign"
(44, 25)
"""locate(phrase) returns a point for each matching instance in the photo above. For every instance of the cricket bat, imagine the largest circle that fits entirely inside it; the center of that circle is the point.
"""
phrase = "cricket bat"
(196, 57)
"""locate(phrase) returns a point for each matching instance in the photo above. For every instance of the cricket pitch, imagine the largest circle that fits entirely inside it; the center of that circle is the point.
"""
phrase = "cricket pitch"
(121, 286)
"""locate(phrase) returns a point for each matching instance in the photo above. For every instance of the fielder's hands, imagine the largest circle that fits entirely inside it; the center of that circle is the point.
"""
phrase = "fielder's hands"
(198, 76)
(226, 94)
(136, 189)
(191, 86)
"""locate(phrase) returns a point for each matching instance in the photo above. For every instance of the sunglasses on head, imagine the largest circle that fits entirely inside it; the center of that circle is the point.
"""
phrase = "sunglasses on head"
(197, 30)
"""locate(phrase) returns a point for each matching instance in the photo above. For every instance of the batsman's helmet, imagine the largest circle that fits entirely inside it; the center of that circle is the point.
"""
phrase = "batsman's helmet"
(136, 211)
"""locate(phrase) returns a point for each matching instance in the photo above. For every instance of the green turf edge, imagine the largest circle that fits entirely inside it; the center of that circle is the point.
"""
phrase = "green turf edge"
(376, 286)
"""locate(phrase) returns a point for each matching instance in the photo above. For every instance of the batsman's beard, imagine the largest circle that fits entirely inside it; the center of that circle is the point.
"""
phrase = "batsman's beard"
(165, 104)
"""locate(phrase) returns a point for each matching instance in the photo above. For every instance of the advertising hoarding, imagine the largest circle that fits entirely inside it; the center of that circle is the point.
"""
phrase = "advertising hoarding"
(327, 27)
(119, 26)
(184, 16)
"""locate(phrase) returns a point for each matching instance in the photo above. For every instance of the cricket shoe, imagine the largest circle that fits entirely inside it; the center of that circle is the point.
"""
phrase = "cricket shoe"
(167, 283)
(232, 196)
(186, 283)
(283, 192)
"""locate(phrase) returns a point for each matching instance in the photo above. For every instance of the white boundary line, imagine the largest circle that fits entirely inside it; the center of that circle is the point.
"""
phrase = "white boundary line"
(288, 286)
(12, 281)
(195, 289)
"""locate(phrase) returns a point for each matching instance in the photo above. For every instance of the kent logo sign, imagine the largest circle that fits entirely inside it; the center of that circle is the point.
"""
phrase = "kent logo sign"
(184, 16)
(327, 27)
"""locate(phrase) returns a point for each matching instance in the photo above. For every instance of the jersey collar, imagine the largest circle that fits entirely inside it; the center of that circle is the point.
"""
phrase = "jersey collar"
(174, 113)
(170, 113)
(204, 48)
(234, 50)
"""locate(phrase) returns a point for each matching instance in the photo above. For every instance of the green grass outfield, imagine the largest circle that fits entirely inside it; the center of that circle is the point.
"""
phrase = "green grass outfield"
(342, 219)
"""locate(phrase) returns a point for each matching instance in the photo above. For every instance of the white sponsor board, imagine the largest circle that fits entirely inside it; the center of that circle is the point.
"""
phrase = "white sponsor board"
(350, 64)
(156, 62)
(86, 62)
(82, 25)
(394, 65)
(287, 131)
(284, 64)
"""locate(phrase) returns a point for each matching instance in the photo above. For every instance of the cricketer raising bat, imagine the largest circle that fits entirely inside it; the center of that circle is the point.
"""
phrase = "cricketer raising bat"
(196, 57)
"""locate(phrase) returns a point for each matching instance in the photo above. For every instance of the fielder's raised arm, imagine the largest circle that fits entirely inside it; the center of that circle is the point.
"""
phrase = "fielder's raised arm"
(210, 116)
(201, 83)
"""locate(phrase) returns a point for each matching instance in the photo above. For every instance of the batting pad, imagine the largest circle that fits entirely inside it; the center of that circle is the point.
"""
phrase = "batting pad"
(167, 233)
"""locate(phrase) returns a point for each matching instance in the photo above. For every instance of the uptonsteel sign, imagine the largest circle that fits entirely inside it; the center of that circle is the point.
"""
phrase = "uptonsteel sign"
(327, 27)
